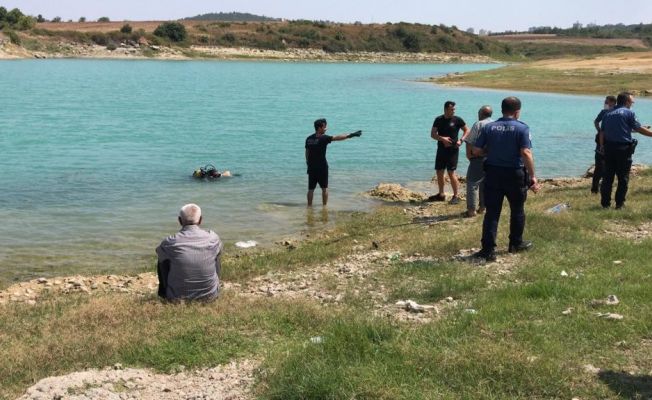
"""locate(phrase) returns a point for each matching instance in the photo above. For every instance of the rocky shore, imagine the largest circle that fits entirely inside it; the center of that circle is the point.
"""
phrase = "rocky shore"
(143, 50)
(304, 284)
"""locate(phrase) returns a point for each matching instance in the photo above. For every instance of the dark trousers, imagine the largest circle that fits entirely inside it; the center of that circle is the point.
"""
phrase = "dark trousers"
(498, 184)
(617, 162)
(598, 172)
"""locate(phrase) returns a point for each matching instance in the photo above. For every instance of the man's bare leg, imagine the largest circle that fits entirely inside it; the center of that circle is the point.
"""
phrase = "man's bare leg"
(455, 183)
(440, 181)
(310, 194)
(324, 196)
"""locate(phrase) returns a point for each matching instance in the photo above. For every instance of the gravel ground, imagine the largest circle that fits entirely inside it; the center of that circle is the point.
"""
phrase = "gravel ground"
(227, 382)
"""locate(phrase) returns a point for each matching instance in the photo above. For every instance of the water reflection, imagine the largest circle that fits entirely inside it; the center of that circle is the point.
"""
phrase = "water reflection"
(316, 218)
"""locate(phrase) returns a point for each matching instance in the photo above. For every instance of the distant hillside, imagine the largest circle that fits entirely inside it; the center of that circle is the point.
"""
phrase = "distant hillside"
(231, 17)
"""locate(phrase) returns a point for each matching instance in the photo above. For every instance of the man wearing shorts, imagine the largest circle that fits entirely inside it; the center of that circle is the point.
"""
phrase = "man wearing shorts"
(445, 130)
(316, 158)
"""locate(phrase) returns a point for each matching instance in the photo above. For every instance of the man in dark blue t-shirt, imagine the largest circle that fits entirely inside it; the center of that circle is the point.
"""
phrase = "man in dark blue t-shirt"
(509, 172)
(598, 170)
(316, 158)
(616, 134)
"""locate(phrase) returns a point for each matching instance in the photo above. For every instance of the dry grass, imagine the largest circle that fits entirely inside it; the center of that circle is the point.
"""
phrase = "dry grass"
(555, 39)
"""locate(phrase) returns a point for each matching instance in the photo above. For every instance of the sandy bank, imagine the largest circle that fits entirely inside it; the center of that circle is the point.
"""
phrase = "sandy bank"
(600, 75)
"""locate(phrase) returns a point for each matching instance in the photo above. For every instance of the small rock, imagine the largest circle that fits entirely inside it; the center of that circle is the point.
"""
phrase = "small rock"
(591, 369)
(41, 280)
(618, 262)
(568, 311)
(449, 299)
(470, 311)
(612, 316)
(375, 244)
(117, 366)
(612, 300)
(564, 273)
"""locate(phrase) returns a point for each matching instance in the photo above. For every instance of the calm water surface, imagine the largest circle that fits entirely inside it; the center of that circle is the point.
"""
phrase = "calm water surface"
(96, 155)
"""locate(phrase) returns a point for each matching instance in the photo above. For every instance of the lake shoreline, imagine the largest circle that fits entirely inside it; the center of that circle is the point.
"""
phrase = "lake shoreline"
(137, 281)
(9, 51)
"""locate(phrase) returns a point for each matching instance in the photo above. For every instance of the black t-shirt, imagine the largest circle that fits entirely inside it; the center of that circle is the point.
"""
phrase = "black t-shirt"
(316, 147)
(449, 127)
(598, 120)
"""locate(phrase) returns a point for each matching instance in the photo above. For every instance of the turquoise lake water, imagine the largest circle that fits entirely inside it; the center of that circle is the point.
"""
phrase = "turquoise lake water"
(97, 155)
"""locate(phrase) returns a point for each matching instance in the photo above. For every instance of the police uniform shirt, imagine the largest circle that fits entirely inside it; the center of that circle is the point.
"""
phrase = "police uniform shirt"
(618, 124)
(316, 146)
(503, 140)
(448, 127)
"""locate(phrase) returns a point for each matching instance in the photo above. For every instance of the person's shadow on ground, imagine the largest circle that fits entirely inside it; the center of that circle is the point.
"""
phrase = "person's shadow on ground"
(635, 387)
(433, 219)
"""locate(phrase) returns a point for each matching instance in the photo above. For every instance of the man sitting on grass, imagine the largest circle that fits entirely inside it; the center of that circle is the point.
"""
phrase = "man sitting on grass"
(189, 261)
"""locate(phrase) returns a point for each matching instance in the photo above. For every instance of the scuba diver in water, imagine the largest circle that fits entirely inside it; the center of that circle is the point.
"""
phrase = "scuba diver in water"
(210, 172)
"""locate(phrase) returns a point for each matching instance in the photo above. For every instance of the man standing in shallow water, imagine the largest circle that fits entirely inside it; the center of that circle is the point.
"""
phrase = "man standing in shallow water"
(316, 158)
(445, 130)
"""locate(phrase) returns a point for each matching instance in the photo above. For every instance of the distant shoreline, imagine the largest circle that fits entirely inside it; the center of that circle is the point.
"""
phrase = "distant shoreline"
(9, 51)
(601, 75)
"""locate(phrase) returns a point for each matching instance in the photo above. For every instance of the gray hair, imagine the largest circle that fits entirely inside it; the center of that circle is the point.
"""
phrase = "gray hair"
(485, 112)
(190, 214)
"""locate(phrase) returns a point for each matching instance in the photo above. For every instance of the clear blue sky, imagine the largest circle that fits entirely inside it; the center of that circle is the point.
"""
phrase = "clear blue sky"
(497, 15)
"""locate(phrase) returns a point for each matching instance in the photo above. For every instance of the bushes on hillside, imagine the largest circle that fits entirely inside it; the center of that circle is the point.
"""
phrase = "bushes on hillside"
(174, 31)
(126, 28)
(15, 19)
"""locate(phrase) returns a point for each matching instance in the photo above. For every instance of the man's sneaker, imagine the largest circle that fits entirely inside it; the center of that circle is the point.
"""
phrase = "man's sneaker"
(619, 206)
(486, 255)
(523, 246)
(454, 200)
(469, 214)
(437, 197)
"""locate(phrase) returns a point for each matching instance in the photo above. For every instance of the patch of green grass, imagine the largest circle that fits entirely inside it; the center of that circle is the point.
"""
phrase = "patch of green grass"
(430, 282)
(528, 78)
(517, 344)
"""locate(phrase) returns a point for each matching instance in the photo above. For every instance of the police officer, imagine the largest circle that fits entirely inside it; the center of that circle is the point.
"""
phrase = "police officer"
(509, 172)
(616, 134)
